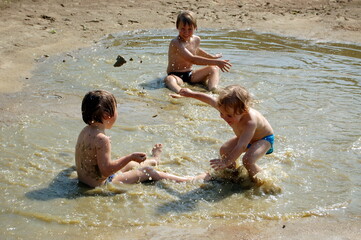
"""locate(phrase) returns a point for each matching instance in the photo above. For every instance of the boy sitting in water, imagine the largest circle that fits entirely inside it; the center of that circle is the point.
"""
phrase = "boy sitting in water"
(184, 51)
(93, 152)
(254, 134)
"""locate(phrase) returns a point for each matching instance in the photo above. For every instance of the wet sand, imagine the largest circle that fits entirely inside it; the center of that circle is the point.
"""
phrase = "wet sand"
(301, 229)
(32, 29)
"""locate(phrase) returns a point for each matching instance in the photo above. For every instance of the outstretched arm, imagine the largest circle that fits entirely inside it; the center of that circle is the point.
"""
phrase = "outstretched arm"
(203, 53)
(186, 92)
(203, 58)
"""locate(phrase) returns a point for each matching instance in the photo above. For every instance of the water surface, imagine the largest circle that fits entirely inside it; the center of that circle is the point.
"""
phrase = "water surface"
(310, 92)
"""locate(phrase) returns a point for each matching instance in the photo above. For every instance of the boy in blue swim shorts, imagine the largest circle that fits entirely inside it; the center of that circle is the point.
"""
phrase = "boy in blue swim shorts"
(253, 134)
(184, 51)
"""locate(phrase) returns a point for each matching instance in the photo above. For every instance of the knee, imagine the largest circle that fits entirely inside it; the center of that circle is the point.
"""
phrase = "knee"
(169, 80)
(150, 173)
(223, 151)
(150, 162)
(214, 69)
(132, 165)
(147, 170)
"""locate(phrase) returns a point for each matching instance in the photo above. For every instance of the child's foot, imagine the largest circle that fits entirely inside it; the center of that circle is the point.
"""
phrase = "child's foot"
(157, 151)
(204, 177)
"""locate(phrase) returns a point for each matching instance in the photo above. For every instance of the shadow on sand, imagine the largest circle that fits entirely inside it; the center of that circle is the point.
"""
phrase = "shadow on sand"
(212, 191)
(65, 186)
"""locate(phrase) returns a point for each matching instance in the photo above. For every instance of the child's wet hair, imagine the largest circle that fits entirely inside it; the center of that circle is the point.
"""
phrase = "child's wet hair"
(235, 97)
(187, 18)
(95, 104)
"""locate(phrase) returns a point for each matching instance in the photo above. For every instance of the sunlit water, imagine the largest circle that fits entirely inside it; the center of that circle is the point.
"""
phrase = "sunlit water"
(310, 92)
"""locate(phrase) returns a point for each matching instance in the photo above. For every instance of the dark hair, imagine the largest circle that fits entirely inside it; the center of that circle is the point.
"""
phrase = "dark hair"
(235, 97)
(187, 18)
(95, 104)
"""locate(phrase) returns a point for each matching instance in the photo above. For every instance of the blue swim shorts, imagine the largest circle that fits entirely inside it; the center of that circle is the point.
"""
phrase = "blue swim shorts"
(271, 140)
(109, 179)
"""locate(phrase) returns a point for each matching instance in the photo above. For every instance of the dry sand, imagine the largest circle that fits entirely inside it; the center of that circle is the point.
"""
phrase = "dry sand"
(30, 29)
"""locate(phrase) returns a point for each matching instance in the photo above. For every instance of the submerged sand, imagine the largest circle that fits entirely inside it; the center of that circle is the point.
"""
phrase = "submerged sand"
(31, 29)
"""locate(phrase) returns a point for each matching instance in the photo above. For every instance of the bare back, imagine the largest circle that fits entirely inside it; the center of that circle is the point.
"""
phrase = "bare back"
(178, 52)
(86, 157)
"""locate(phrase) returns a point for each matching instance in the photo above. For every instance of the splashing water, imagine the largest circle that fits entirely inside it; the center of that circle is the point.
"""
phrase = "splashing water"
(309, 91)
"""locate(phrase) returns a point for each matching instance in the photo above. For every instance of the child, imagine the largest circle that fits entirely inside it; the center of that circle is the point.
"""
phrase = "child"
(184, 51)
(93, 152)
(254, 135)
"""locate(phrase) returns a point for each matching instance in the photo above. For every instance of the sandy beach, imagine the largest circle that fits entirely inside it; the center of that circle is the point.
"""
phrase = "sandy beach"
(31, 29)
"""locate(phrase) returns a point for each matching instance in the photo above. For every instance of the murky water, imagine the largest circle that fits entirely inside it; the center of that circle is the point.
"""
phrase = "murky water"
(310, 92)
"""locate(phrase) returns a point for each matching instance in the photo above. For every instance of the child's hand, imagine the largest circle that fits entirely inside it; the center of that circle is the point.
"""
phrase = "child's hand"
(224, 65)
(218, 164)
(184, 92)
(218, 55)
(139, 157)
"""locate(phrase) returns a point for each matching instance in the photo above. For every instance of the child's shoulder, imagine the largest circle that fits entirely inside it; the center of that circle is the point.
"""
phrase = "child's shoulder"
(100, 136)
(196, 37)
(94, 133)
(256, 114)
(175, 42)
(253, 112)
(196, 40)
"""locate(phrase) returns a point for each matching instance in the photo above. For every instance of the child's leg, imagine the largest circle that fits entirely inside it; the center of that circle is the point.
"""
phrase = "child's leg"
(130, 166)
(148, 173)
(256, 151)
(156, 154)
(210, 73)
(227, 147)
(173, 83)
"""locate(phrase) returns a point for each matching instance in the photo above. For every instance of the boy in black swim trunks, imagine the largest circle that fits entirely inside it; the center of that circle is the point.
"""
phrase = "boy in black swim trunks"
(184, 51)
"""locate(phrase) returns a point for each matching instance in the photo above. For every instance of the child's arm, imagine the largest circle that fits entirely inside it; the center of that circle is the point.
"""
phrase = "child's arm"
(203, 53)
(186, 92)
(224, 65)
(241, 146)
(106, 165)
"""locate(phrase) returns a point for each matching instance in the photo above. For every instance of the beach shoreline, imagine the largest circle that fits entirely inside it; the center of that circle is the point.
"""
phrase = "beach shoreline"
(33, 29)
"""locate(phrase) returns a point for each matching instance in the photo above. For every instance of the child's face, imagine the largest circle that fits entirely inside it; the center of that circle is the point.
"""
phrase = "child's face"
(229, 115)
(185, 31)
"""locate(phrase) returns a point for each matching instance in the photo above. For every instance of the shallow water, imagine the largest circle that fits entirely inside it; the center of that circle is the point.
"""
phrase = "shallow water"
(310, 92)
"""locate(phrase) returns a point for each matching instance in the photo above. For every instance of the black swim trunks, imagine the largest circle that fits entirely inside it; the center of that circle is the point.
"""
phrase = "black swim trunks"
(185, 76)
